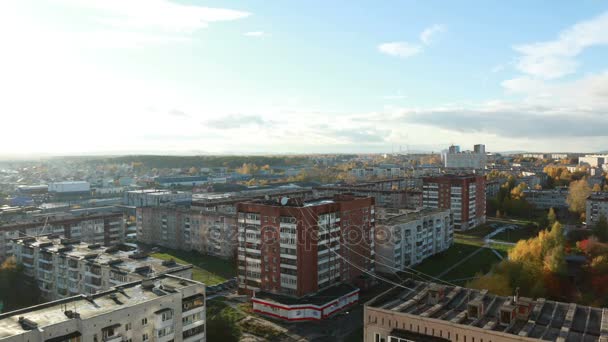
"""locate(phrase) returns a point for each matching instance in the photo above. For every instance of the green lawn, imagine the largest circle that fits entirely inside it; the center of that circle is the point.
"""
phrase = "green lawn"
(514, 235)
(439, 262)
(478, 232)
(481, 262)
(207, 269)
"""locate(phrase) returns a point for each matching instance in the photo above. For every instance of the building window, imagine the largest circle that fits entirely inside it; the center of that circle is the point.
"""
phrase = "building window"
(144, 321)
(128, 326)
(144, 337)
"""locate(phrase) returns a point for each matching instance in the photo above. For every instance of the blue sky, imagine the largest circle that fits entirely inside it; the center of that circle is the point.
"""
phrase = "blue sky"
(121, 76)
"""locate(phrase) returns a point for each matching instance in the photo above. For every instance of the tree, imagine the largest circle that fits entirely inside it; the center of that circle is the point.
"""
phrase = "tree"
(16, 289)
(577, 196)
(596, 187)
(551, 216)
(600, 229)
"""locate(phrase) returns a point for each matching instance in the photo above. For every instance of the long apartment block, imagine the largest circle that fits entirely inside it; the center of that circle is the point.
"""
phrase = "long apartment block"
(405, 238)
(106, 229)
(421, 311)
(164, 308)
(64, 267)
(208, 232)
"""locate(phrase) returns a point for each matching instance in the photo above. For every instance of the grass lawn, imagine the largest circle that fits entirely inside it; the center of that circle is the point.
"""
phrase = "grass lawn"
(502, 248)
(439, 262)
(514, 235)
(207, 269)
(478, 232)
(481, 262)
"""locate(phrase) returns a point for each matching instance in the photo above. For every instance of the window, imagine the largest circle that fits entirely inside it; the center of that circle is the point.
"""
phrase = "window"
(167, 315)
(144, 337)
(144, 321)
(128, 326)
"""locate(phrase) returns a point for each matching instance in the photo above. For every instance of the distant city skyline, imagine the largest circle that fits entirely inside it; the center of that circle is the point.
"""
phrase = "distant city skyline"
(238, 77)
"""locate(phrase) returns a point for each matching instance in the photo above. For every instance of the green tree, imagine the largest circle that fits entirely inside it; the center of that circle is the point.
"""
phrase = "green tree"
(551, 216)
(600, 229)
(16, 289)
(577, 195)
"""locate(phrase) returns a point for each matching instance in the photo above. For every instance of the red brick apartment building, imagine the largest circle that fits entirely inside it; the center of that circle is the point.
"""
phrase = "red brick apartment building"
(290, 249)
(465, 195)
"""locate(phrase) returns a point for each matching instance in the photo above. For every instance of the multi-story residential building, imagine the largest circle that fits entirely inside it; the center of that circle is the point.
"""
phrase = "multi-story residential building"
(493, 187)
(66, 267)
(476, 159)
(545, 199)
(421, 311)
(70, 187)
(163, 308)
(107, 228)
(596, 206)
(593, 160)
(155, 198)
(296, 248)
(393, 198)
(404, 239)
(208, 232)
(465, 195)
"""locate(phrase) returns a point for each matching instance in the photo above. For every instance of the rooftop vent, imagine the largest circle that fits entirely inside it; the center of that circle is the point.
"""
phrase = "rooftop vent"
(45, 244)
(71, 314)
(27, 324)
(91, 256)
(94, 246)
(138, 256)
(147, 284)
(169, 263)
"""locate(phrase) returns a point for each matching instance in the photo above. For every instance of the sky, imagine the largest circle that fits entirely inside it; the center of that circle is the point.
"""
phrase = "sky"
(261, 76)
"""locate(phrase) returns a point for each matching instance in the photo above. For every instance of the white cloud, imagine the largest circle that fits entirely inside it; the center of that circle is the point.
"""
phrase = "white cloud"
(400, 49)
(163, 15)
(428, 35)
(556, 58)
(255, 34)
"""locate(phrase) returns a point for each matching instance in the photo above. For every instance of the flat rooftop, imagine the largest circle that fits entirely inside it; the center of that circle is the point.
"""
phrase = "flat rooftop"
(547, 320)
(414, 215)
(324, 296)
(128, 261)
(119, 297)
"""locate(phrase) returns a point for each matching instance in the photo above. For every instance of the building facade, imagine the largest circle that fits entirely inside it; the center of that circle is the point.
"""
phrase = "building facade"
(65, 268)
(596, 206)
(296, 248)
(393, 198)
(476, 159)
(431, 312)
(208, 232)
(155, 198)
(404, 239)
(162, 309)
(107, 229)
(465, 195)
(545, 199)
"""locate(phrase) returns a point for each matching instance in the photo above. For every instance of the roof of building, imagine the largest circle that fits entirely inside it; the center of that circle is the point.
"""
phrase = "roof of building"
(119, 297)
(120, 259)
(324, 296)
(547, 319)
(409, 216)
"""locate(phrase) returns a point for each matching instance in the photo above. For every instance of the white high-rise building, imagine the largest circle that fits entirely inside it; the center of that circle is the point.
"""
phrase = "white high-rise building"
(453, 158)
(161, 309)
(405, 238)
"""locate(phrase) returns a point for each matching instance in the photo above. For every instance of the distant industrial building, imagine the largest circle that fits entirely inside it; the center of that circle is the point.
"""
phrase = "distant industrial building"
(163, 308)
(189, 229)
(420, 311)
(65, 267)
(405, 238)
(106, 229)
(465, 195)
(292, 249)
(155, 198)
(181, 180)
(71, 187)
(455, 159)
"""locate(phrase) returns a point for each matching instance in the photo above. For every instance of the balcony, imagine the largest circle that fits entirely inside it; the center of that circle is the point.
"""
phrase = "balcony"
(115, 338)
